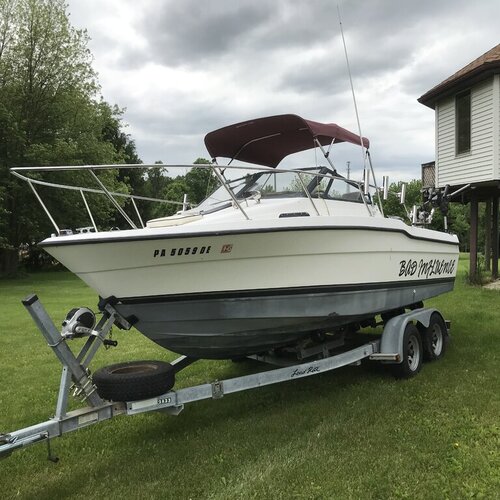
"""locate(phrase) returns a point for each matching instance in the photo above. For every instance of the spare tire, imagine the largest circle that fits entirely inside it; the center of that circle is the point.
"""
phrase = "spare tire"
(134, 380)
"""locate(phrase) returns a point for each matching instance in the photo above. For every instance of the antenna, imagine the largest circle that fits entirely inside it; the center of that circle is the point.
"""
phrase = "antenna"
(352, 86)
(366, 174)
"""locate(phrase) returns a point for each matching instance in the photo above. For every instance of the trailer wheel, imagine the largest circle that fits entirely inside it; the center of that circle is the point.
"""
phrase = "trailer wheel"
(134, 380)
(412, 353)
(434, 338)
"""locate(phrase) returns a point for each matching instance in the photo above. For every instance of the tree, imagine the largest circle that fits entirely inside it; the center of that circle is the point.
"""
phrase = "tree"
(459, 223)
(201, 181)
(51, 113)
(197, 184)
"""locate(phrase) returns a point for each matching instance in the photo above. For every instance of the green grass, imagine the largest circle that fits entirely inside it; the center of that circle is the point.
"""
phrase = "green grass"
(351, 433)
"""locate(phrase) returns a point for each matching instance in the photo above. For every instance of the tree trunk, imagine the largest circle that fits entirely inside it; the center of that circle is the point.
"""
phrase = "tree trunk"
(9, 260)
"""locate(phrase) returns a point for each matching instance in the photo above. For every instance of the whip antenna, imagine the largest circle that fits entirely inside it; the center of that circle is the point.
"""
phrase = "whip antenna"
(352, 86)
(366, 174)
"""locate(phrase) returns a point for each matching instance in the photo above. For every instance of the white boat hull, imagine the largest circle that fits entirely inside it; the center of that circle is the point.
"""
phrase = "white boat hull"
(237, 291)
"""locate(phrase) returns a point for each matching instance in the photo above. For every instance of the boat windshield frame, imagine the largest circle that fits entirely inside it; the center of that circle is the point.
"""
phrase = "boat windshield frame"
(247, 186)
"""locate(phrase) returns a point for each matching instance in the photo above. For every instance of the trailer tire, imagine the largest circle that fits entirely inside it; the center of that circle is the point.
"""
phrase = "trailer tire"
(134, 380)
(412, 353)
(434, 338)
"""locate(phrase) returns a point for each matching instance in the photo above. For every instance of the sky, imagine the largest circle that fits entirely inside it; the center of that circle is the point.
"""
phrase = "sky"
(183, 68)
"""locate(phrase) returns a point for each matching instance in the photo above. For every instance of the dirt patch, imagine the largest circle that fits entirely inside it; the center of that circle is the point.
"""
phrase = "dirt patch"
(494, 285)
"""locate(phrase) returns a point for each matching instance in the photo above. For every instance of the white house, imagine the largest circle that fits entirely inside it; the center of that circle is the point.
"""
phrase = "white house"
(467, 111)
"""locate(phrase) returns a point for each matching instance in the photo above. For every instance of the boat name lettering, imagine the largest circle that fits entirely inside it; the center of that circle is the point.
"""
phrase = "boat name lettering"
(305, 371)
(164, 252)
(408, 268)
(426, 268)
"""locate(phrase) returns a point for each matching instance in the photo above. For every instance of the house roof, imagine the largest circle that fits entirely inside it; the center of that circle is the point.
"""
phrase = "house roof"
(479, 69)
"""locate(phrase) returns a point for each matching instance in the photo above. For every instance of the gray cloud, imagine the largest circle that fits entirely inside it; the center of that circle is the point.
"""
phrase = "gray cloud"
(190, 32)
(223, 62)
(327, 72)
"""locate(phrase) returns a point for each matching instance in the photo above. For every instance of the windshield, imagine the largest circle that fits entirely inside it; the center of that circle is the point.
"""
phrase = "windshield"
(320, 182)
(220, 197)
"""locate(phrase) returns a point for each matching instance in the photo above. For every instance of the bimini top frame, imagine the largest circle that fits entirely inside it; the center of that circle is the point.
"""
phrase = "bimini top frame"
(266, 141)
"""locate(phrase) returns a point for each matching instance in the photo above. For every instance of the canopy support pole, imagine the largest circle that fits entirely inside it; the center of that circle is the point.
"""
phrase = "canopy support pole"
(375, 182)
(308, 194)
(229, 190)
(327, 156)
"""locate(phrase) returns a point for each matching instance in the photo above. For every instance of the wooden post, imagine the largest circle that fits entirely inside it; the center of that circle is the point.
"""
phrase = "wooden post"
(473, 237)
(494, 239)
(487, 236)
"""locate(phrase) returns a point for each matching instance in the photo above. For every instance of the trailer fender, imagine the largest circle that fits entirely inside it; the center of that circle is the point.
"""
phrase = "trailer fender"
(392, 337)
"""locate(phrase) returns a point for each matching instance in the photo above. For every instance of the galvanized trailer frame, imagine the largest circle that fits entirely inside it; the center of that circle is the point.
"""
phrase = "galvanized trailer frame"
(76, 375)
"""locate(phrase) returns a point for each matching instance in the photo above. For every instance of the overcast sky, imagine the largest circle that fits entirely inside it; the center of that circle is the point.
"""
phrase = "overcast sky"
(184, 68)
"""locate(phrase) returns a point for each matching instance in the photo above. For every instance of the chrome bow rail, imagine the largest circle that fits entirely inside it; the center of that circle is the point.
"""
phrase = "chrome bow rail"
(219, 172)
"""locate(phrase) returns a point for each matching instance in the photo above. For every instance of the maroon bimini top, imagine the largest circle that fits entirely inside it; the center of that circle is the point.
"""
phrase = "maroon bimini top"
(266, 141)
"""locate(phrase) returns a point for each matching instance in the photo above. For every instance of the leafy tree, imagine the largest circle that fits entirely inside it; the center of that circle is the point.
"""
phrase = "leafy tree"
(459, 223)
(156, 181)
(197, 184)
(51, 114)
(175, 192)
(201, 181)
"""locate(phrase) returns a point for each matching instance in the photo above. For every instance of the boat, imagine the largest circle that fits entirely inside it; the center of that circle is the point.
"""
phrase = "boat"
(272, 257)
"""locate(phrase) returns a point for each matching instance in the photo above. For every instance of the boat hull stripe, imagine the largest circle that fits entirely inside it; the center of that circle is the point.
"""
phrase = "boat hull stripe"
(270, 292)
(206, 234)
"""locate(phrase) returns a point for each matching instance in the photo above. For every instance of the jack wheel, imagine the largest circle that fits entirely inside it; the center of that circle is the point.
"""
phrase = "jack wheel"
(412, 353)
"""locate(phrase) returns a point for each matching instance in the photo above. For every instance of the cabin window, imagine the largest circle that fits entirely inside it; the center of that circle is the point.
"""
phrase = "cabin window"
(462, 114)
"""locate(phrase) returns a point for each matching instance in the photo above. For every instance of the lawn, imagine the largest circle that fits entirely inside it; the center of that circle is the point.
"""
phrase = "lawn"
(351, 433)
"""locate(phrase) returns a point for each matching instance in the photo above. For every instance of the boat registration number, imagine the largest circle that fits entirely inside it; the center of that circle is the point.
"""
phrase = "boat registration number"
(173, 252)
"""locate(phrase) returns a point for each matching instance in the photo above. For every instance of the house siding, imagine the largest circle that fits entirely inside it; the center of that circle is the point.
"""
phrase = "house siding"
(481, 163)
(496, 125)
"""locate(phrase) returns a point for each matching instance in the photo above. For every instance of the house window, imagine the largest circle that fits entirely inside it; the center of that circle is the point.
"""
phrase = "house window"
(462, 114)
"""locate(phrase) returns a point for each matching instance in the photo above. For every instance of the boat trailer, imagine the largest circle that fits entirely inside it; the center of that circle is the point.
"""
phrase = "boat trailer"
(406, 339)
